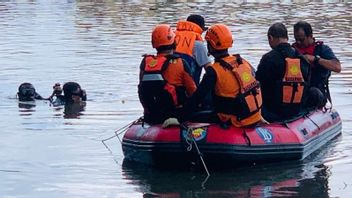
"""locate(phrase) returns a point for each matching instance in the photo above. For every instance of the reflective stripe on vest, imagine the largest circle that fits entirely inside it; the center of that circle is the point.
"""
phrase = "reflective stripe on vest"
(153, 68)
(293, 81)
(152, 77)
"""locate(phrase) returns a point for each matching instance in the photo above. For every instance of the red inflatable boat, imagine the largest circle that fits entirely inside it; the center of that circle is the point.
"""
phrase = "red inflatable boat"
(177, 146)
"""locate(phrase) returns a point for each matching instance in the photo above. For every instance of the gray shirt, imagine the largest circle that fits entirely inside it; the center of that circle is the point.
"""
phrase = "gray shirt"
(200, 53)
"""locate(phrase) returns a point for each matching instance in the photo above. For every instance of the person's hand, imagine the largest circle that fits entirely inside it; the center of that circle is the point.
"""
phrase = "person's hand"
(84, 95)
(170, 121)
(309, 58)
(264, 121)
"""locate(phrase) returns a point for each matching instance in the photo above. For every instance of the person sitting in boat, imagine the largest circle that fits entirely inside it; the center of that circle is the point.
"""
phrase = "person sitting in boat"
(164, 80)
(190, 44)
(26, 92)
(322, 60)
(237, 96)
(283, 76)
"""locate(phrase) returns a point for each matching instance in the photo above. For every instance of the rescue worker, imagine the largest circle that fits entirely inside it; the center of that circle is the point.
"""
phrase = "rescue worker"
(27, 92)
(237, 95)
(190, 45)
(283, 76)
(70, 93)
(164, 81)
(57, 98)
(320, 56)
(73, 93)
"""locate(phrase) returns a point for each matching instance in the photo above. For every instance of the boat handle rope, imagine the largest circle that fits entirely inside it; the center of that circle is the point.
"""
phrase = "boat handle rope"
(189, 148)
(307, 116)
(248, 141)
(118, 132)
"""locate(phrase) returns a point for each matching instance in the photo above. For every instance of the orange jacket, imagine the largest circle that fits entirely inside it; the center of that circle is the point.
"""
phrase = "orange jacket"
(237, 88)
(186, 34)
(293, 82)
(175, 72)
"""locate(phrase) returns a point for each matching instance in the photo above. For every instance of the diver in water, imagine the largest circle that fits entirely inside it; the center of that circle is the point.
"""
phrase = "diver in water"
(57, 98)
(72, 93)
(74, 99)
(26, 92)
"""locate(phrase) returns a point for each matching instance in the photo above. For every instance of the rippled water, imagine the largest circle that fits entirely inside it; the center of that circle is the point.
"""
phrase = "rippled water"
(99, 44)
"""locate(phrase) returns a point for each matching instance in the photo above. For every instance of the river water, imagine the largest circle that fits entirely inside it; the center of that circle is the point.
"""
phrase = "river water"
(99, 44)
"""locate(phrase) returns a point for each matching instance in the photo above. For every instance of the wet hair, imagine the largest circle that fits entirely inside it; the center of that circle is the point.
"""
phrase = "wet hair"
(306, 27)
(70, 89)
(26, 92)
(278, 30)
(166, 47)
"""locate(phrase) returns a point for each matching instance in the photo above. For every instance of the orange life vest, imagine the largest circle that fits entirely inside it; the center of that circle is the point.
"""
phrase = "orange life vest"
(292, 82)
(186, 35)
(153, 75)
(237, 92)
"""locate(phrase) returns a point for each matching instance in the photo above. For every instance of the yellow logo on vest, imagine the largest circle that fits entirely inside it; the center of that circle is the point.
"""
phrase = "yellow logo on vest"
(294, 69)
(246, 77)
(152, 63)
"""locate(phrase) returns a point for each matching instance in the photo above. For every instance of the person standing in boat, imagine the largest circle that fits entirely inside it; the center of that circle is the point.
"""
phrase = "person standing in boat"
(190, 45)
(320, 56)
(164, 80)
(283, 76)
(237, 96)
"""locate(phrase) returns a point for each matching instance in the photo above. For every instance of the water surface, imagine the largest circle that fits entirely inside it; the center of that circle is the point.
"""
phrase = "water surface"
(99, 44)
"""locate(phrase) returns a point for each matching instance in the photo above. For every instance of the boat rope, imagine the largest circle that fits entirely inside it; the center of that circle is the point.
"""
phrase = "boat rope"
(285, 124)
(189, 148)
(204, 182)
(307, 116)
(117, 133)
(248, 141)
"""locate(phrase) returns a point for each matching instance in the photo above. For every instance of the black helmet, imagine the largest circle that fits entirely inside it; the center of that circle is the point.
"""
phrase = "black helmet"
(73, 89)
(26, 92)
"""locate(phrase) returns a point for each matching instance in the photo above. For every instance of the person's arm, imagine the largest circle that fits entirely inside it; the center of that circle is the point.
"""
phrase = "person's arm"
(332, 65)
(262, 70)
(200, 53)
(206, 85)
(327, 59)
(141, 69)
(188, 82)
(39, 97)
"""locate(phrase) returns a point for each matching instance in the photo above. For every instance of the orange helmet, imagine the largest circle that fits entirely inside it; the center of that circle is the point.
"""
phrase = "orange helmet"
(162, 35)
(219, 36)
